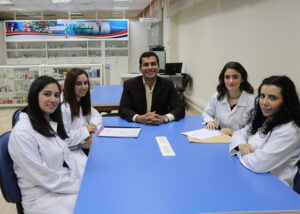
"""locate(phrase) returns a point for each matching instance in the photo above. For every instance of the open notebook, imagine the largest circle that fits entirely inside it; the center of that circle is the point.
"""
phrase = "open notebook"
(119, 131)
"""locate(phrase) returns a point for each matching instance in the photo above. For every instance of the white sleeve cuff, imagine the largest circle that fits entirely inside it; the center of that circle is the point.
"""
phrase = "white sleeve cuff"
(134, 117)
(170, 117)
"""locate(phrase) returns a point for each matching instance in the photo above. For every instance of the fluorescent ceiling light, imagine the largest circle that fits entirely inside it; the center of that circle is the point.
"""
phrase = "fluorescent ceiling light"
(61, 1)
(6, 2)
(76, 14)
(17, 9)
(120, 8)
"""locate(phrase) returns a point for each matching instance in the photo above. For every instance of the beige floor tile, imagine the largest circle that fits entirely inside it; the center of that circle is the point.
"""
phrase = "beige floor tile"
(5, 119)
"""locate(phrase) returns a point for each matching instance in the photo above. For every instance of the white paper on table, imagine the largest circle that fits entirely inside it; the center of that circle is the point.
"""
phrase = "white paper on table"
(165, 146)
(115, 131)
(202, 133)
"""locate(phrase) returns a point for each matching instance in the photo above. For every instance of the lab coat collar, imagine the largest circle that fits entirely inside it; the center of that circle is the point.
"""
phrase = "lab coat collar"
(53, 125)
(243, 100)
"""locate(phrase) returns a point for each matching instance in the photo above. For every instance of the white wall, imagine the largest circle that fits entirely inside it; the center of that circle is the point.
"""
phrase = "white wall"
(138, 43)
(263, 35)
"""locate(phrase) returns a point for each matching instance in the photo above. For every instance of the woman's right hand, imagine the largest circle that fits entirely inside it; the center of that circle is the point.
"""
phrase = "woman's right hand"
(89, 140)
(91, 127)
(210, 125)
(246, 149)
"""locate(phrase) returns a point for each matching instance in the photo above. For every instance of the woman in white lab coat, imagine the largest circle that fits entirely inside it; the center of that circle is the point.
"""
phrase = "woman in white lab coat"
(232, 102)
(271, 142)
(80, 119)
(48, 175)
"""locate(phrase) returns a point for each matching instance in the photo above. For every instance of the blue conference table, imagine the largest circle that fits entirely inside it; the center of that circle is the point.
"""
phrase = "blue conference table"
(129, 175)
(106, 97)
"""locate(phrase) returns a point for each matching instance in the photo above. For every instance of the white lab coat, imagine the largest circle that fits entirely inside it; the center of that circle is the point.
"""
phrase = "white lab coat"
(233, 119)
(46, 186)
(77, 131)
(277, 152)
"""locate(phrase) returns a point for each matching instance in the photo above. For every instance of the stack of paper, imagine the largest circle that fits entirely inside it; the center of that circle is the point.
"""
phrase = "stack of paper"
(119, 131)
(207, 136)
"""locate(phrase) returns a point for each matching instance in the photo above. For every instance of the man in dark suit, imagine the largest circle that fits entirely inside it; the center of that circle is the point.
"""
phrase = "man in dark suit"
(150, 99)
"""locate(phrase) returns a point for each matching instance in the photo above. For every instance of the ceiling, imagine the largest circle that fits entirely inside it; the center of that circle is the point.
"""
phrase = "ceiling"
(78, 9)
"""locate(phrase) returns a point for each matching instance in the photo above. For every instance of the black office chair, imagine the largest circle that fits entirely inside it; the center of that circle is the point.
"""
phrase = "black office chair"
(8, 179)
(186, 78)
(297, 180)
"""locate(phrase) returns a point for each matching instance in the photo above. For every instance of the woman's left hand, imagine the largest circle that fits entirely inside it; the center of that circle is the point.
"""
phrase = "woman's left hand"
(227, 131)
(246, 149)
(91, 127)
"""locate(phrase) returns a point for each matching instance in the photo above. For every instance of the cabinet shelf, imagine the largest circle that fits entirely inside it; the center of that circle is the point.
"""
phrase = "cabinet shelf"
(116, 48)
(93, 49)
(15, 81)
(37, 49)
(13, 105)
(66, 49)
(67, 57)
(71, 48)
(8, 93)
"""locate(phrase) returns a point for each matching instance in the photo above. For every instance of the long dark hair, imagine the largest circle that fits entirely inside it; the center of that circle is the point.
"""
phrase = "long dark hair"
(245, 85)
(38, 121)
(288, 111)
(70, 96)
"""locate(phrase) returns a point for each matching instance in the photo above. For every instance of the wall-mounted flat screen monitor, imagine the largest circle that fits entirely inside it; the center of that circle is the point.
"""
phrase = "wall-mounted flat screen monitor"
(173, 68)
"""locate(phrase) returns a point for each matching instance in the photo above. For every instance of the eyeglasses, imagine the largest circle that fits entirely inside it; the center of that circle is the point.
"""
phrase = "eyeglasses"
(79, 83)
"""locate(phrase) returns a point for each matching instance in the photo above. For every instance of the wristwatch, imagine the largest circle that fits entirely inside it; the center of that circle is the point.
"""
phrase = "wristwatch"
(166, 119)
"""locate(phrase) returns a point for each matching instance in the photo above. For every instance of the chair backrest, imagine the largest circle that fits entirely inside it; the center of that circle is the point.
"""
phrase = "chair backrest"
(184, 83)
(8, 180)
(185, 80)
(15, 117)
(297, 179)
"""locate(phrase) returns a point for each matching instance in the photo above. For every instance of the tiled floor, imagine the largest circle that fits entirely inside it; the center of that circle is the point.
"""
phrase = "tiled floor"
(5, 119)
(5, 125)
